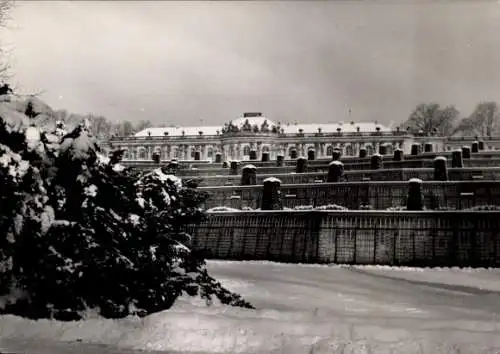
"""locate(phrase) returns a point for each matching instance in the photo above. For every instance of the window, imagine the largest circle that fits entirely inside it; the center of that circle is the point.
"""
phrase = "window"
(246, 150)
(210, 153)
(125, 154)
(265, 149)
(369, 150)
(142, 154)
(329, 151)
(349, 151)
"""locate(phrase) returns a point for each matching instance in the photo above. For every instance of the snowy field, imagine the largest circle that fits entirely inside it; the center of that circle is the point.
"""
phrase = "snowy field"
(300, 309)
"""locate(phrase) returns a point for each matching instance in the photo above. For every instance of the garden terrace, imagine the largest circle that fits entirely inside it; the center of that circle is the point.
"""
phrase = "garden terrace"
(458, 238)
(388, 164)
(207, 164)
(425, 174)
(210, 170)
(486, 155)
(454, 195)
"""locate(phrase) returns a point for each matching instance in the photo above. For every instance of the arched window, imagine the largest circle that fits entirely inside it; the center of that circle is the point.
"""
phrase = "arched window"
(369, 150)
(329, 151)
(210, 153)
(166, 154)
(125, 154)
(349, 151)
(389, 149)
(292, 151)
(246, 150)
(142, 154)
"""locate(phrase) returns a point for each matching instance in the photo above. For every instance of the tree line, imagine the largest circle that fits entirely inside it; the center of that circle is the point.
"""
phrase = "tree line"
(101, 127)
(433, 119)
(425, 119)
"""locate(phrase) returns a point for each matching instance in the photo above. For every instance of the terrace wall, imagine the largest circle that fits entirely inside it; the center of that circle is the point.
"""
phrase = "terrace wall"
(479, 158)
(354, 237)
(353, 195)
(364, 166)
(425, 174)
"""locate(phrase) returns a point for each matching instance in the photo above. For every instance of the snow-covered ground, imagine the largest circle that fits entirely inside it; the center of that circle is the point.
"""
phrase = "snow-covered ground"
(300, 309)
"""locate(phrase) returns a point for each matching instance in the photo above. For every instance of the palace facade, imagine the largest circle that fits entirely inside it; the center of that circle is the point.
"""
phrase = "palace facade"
(254, 134)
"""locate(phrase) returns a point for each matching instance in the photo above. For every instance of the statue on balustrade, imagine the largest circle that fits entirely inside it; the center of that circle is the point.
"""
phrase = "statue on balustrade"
(264, 128)
(246, 126)
(230, 128)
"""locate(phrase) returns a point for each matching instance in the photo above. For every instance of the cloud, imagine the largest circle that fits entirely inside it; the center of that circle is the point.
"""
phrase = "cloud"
(305, 61)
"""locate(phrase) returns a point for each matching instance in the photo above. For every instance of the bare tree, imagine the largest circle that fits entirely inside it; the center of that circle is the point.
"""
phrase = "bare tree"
(5, 8)
(124, 128)
(484, 121)
(143, 124)
(100, 127)
(431, 118)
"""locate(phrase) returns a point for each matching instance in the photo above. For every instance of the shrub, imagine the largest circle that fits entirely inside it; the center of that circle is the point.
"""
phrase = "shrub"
(80, 231)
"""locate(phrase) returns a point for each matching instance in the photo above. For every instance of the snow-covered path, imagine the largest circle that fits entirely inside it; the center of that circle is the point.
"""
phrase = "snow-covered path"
(301, 309)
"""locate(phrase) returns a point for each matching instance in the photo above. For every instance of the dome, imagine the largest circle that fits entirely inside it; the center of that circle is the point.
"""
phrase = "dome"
(249, 120)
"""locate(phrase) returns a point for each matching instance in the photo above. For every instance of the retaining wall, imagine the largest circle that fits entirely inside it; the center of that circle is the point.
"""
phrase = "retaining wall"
(354, 237)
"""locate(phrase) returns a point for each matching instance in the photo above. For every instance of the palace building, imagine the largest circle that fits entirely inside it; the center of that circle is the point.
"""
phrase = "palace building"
(252, 134)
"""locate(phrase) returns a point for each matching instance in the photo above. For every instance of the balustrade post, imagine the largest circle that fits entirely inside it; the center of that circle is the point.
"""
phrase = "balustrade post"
(249, 175)
(440, 169)
(301, 165)
(376, 162)
(234, 168)
(335, 172)
(456, 159)
(271, 194)
(415, 195)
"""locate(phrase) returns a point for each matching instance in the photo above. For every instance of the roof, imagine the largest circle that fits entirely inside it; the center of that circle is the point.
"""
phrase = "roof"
(177, 131)
(364, 127)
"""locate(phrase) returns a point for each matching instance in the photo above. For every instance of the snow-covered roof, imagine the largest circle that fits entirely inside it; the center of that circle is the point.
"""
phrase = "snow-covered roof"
(364, 127)
(177, 131)
(311, 128)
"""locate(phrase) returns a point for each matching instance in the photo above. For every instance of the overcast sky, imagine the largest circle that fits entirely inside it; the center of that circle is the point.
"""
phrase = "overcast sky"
(307, 61)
